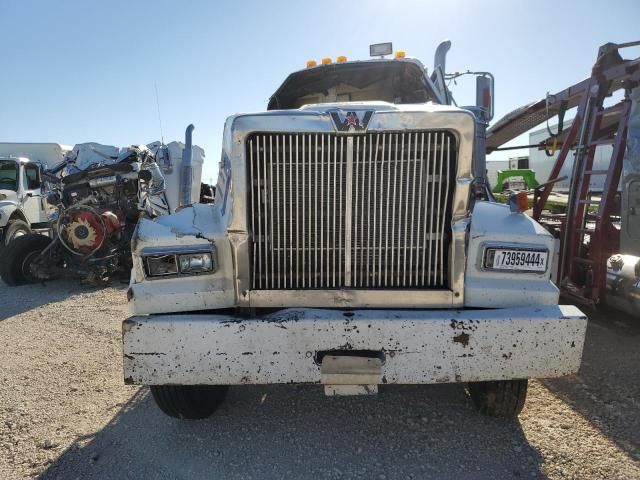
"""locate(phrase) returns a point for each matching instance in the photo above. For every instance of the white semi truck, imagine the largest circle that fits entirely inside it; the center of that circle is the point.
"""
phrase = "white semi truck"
(22, 207)
(353, 242)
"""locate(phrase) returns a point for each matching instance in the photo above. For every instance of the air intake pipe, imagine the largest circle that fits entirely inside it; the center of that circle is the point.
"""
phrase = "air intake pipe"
(187, 168)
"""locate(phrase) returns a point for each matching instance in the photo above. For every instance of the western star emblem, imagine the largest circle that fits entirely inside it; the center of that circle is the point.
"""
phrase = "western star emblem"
(351, 121)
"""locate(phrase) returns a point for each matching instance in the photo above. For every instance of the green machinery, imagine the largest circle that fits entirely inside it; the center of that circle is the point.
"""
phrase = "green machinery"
(527, 174)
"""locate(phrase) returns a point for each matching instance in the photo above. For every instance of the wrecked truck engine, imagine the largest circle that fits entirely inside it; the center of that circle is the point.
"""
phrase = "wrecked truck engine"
(94, 212)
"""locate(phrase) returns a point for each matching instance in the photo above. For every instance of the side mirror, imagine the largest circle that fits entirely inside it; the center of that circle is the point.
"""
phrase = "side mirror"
(484, 94)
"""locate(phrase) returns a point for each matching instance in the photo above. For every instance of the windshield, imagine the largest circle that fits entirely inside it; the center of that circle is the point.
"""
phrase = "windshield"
(8, 175)
(388, 81)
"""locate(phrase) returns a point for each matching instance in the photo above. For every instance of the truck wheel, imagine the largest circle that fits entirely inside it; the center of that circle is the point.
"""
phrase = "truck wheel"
(192, 402)
(15, 267)
(504, 398)
(15, 229)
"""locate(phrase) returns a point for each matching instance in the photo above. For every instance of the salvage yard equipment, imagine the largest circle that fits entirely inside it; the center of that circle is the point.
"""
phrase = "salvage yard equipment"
(90, 198)
(593, 229)
(353, 242)
(528, 176)
(95, 212)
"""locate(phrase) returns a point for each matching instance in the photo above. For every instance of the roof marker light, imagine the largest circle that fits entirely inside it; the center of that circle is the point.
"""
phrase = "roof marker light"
(400, 54)
(311, 63)
(326, 61)
(341, 59)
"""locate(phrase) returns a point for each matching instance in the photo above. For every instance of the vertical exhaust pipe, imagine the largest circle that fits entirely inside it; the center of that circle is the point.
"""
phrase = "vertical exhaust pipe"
(187, 168)
(439, 66)
(440, 58)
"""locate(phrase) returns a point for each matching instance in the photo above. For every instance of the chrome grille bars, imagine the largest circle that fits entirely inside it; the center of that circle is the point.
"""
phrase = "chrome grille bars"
(364, 211)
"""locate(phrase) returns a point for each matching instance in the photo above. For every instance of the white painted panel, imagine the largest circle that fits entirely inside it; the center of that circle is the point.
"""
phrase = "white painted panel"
(419, 346)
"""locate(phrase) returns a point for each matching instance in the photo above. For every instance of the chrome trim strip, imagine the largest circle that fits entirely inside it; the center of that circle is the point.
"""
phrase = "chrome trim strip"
(420, 196)
(350, 298)
(348, 213)
(175, 249)
(321, 218)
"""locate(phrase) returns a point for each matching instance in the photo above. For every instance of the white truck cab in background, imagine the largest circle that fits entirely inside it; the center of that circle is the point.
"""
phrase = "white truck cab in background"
(353, 242)
(22, 207)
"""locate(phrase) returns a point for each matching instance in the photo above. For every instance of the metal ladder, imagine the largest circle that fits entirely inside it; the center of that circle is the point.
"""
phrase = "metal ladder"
(584, 273)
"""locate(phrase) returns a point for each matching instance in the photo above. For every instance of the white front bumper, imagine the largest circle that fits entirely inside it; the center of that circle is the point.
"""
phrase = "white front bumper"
(423, 346)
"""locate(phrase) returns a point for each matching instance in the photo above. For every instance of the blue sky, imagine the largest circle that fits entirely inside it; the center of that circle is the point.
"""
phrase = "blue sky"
(78, 71)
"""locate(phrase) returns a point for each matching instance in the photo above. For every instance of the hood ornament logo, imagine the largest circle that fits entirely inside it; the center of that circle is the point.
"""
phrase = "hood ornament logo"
(351, 122)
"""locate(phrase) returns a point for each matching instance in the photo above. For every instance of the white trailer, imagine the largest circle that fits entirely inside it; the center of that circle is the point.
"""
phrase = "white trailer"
(542, 163)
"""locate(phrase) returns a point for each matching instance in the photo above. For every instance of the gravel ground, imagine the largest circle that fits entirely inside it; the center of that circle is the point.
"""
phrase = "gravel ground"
(65, 413)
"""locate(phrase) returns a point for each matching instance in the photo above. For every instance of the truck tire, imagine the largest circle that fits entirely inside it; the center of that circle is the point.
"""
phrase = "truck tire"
(15, 229)
(14, 269)
(192, 402)
(504, 398)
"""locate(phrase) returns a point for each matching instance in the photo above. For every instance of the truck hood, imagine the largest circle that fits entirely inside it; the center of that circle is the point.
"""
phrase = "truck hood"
(344, 107)
(7, 205)
(324, 108)
(8, 197)
(377, 106)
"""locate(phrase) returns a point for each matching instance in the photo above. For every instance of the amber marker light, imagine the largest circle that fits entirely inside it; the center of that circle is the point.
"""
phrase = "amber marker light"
(519, 202)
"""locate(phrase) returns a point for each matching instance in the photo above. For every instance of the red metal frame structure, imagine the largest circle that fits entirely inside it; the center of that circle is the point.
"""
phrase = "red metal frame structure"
(586, 241)
(584, 249)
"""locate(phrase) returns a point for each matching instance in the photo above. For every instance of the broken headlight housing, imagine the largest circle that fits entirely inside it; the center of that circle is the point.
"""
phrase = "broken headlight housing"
(162, 263)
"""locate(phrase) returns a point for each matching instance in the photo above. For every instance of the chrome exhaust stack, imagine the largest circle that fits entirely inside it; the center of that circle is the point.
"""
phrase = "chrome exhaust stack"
(186, 184)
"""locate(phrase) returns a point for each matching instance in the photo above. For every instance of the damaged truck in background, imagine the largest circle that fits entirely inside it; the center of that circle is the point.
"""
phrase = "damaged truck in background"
(354, 242)
(91, 204)
(22, 186)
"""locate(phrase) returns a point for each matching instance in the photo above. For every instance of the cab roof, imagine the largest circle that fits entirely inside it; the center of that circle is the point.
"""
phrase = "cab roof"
(16, 159)
(408, 73)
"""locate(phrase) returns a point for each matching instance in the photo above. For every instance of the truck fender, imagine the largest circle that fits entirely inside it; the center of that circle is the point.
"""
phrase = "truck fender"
(10, 211)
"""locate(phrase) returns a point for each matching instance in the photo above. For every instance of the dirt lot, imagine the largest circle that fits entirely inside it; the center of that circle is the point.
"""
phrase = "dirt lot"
(64, 413)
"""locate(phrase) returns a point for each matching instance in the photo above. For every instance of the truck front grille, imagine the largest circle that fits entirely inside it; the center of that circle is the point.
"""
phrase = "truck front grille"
(361, 211)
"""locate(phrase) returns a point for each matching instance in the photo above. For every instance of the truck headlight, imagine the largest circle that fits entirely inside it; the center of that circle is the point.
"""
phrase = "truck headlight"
(195, 262)
(161, 265)
(161, 262)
